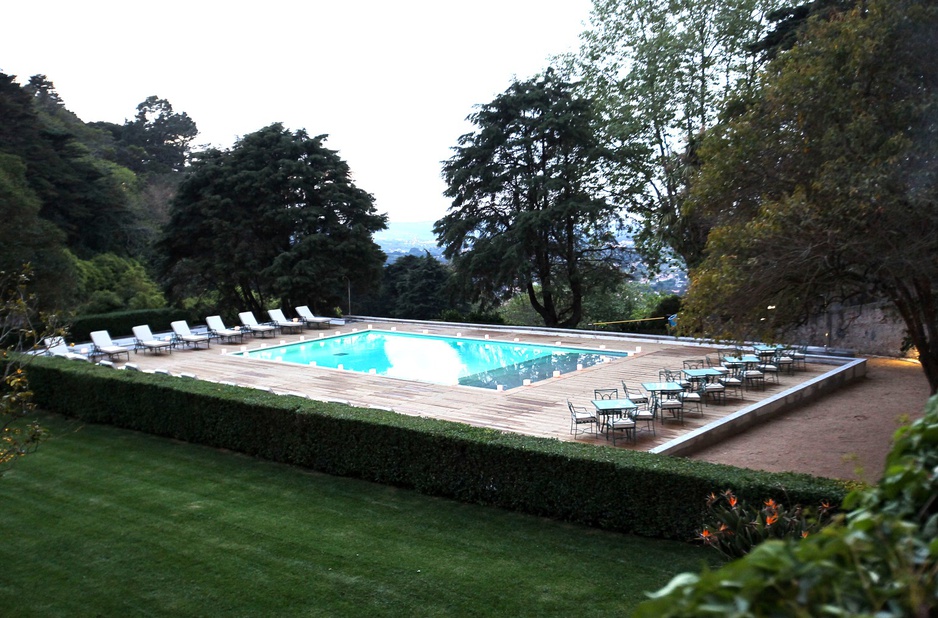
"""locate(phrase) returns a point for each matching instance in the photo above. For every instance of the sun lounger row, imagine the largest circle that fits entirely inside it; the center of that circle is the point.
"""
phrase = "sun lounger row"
(144, 340)
(278, 322)
(103, 345)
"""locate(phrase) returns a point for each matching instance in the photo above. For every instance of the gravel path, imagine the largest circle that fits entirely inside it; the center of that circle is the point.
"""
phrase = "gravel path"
(843, 435)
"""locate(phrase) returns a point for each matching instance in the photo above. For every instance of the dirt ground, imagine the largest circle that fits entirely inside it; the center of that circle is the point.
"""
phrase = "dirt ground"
(844, 435)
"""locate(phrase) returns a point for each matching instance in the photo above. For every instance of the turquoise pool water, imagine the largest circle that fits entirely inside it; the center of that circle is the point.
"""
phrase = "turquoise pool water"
(437, 360)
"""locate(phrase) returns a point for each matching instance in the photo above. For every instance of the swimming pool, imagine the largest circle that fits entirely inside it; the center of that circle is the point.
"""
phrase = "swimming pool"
(435, 359)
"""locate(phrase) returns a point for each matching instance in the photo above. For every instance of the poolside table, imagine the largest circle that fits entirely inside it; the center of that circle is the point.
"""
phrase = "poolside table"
(707, 381)
(293, 327)
(766, 352)
(747, 360)
(656, 388)
(613, 407)
(702, 375)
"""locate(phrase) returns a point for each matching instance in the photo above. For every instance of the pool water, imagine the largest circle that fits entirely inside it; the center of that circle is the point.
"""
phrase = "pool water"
(437, 360)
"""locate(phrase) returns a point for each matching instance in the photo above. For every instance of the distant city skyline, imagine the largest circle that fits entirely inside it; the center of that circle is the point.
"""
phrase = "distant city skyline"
(390, 83)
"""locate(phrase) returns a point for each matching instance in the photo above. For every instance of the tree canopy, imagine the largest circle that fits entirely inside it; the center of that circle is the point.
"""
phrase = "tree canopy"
(415, 287)
(76, 191)
(156, 141)
(528, 210)
(26, 238)
(788, 21)
(825, 188)
(275, 219)
(659, 71)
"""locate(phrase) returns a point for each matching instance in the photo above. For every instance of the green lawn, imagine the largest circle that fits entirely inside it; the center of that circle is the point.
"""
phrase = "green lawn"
(114, 523)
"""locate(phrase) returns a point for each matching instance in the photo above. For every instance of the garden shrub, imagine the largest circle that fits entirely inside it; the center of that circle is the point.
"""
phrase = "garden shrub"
(734, 527)
(879, 559)
(109, 282)
(615, 489)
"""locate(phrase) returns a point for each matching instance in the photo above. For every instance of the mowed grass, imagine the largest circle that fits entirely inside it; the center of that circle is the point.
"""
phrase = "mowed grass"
(105, 522)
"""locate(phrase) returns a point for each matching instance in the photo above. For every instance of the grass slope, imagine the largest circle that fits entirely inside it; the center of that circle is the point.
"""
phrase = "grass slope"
(108, 522)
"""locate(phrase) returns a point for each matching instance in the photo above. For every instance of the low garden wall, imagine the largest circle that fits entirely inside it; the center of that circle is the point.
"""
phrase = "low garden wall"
(761, 411)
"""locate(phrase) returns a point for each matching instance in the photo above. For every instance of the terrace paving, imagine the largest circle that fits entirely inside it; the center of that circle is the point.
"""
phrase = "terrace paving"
(538, 410)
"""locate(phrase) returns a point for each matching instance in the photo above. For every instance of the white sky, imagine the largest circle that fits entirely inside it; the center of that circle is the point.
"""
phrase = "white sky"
(390, 82)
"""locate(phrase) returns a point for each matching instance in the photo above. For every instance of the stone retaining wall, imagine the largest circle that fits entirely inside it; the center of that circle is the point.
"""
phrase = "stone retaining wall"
(844, 372)
(874, 329)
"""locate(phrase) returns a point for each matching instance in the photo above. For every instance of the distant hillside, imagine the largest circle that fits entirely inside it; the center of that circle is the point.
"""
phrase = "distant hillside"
(415, 238)
(408, 238)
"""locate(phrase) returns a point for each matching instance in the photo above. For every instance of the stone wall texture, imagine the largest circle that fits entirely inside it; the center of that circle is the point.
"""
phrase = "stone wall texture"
(873, 329)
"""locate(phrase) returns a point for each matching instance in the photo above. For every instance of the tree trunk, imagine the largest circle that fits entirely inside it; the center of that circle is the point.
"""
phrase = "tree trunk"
(545, 309)
(917, 307)
(930, 366)
(573, 276)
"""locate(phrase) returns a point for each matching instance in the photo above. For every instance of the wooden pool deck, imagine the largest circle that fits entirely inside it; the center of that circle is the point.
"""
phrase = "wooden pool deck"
(538, 410)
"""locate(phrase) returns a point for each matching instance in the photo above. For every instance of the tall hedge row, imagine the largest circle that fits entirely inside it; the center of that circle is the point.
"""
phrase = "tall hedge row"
(614, 489)
(121, 323)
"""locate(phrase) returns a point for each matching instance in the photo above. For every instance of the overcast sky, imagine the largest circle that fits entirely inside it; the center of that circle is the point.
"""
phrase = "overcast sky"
(390, 82)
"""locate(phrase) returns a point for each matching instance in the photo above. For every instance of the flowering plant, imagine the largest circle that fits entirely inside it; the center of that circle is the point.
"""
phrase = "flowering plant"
(734, 528)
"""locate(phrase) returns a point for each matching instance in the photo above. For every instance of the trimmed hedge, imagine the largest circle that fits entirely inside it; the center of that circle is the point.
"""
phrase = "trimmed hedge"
(614, 489)
(121, 323)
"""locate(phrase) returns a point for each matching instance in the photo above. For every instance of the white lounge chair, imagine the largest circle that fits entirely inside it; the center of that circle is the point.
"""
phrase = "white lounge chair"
(307, 317)
(277, 317)
(56, 346)
(217, 329)
(103, 345)
(53, 345)
(183, 335)
(144, 339)
(250, 322)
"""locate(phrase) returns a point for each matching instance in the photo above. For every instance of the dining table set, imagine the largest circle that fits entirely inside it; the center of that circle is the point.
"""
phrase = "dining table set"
(698, 383)
(621, 414)
(615, 414)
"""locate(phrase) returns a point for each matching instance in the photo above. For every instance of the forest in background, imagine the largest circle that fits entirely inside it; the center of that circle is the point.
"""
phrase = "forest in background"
(84, 203)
